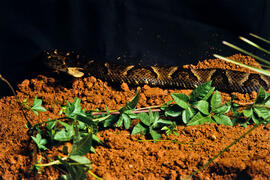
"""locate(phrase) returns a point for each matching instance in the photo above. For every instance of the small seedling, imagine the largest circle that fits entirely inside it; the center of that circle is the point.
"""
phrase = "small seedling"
(40, 142)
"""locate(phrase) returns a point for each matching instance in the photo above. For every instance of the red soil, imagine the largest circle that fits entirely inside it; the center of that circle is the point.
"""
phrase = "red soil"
(122, 156)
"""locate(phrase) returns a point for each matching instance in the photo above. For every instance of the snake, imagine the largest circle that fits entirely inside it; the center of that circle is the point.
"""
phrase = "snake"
(77, 65)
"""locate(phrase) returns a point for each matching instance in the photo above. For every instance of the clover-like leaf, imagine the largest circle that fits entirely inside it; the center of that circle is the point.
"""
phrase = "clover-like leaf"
(39, 142)
(36, 107)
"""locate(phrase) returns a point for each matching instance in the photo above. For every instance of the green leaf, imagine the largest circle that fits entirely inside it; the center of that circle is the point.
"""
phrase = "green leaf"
(154, 118)
(80, 159)
(255, 118)
(187, 114)
(162, 122)
(144, 118)
(74, 172)
(247, 112)
(119, 122)
(74, 109)
(39, 141)
(139, 128)
(203, 106)
(165, 105)
(64, 134)
(173, 111)
(37, 106)
(82, 147)
(223, 119)
(215, 100)
(181, 100)
(202, 92)
(151, 116)
(199, 119)
(267, 102)
(127, 120)
(110, 120)
(96, 139)
(171, 129)
(262, 112)
(260, 96)
(222, 109)
(132, 104)
(155, 135)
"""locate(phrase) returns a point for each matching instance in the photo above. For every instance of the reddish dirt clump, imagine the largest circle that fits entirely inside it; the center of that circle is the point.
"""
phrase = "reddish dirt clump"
(122, 155)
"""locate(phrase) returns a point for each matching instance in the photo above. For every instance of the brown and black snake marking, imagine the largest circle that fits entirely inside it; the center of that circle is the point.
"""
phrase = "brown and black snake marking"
(163, 76)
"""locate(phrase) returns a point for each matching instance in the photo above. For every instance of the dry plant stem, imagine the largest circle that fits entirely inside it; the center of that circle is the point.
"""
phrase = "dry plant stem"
(225, 149)
(173, 141)
(245, 52)
(135, 112)
(17, 100)
(258, 37)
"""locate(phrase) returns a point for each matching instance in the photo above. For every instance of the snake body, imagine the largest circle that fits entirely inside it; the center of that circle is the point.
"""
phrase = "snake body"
(163, 76)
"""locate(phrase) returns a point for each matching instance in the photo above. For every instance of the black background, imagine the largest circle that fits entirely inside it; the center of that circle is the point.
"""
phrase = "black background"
(172, 32)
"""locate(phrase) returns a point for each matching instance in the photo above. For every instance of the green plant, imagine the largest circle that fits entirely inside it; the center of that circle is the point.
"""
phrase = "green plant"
(150, 123)
(40, 142)
(75, 130)
(259, 111)
(202, 106)
(36, 107)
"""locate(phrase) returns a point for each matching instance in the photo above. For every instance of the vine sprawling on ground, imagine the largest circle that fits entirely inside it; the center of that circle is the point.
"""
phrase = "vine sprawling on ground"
(80, 127)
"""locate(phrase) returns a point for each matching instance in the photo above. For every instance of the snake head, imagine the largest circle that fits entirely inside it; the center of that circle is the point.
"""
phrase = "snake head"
(63, 61)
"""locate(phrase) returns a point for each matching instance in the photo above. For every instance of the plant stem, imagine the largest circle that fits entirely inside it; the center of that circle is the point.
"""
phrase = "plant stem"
(255, 45)
(95, 176)
(51, 163)
(17, 100)
(174, 141)
(258, 37)
(262, 71)
(135, 112)
(245, 52)
(225, 149)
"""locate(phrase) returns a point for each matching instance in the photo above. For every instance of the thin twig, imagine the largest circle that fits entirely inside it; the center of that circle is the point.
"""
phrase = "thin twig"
(17, 100)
